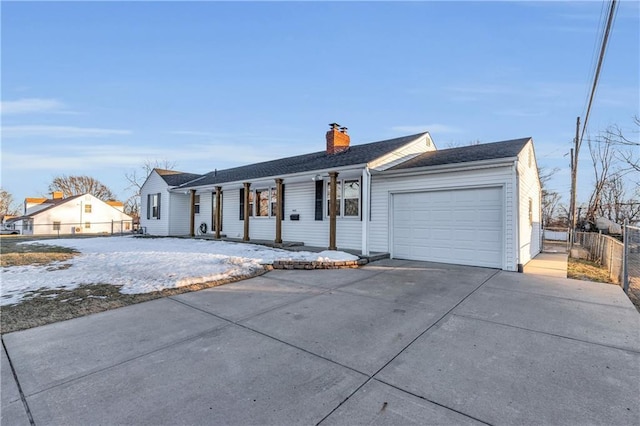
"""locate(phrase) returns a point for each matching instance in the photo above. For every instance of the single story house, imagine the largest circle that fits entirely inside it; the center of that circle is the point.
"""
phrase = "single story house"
(78, 214)
(474, 205)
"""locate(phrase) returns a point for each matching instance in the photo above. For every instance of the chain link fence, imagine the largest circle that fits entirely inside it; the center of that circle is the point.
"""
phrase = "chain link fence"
(622, 259)
(631, 269)
(114, 227)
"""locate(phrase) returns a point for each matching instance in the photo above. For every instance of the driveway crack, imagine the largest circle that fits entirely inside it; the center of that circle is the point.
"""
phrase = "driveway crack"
(15, 377)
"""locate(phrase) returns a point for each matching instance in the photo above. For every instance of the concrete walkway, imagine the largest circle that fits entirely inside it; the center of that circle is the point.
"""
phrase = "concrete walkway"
(394, 342)
(548, 264)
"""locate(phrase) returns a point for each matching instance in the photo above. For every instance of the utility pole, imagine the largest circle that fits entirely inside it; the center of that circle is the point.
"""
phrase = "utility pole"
(574, 174)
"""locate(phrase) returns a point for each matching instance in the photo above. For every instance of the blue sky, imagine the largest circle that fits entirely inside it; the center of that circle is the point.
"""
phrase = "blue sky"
(97, 88)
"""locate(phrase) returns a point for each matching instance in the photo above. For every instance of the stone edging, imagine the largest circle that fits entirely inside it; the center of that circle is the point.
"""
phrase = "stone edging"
(335, 264)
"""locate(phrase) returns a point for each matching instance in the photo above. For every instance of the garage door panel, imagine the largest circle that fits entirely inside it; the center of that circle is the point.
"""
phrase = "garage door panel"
(459, 226)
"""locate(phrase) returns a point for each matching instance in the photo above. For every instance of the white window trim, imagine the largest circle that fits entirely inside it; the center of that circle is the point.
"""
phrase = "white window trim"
(196, 204)
(340, 212)
(270, 192)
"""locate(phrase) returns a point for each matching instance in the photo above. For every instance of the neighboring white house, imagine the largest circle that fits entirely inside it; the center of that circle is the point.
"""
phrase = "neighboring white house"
(79, 214)
(474, 205)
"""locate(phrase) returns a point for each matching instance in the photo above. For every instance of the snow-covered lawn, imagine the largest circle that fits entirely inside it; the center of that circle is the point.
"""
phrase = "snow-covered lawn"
(143, 265)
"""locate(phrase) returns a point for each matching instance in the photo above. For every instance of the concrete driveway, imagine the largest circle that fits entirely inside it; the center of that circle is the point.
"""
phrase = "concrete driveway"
(395, 342)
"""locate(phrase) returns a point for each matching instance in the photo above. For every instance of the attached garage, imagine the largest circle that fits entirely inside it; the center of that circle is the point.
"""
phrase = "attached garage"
(461, 226)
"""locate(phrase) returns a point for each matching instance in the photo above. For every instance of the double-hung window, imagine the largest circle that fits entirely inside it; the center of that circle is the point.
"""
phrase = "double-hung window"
(196, 202)
(265, 204)
(153, 206)
(347, 198)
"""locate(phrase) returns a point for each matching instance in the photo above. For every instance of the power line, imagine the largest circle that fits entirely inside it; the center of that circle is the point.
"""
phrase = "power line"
(603, 49)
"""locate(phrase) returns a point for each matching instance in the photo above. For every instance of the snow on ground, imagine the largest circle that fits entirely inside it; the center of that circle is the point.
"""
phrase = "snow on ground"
(143, 265)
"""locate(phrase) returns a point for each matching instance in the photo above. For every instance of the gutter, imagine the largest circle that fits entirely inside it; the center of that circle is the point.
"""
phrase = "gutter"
(365, 211)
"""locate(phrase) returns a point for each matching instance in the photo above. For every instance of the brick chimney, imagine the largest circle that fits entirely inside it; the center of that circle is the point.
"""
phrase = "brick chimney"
(337, 139)
(56, 195)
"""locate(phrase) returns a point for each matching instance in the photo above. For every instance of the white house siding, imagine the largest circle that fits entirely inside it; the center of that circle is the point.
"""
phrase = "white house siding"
(179, 212)
(529, 186)
(153, 185)
(300, 200)
(72, 217)
(384, 186)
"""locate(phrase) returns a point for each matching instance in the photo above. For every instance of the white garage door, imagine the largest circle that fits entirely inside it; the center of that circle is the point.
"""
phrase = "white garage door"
(458, 226)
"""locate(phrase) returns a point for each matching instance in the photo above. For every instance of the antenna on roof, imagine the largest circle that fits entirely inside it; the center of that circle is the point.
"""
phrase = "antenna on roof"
(215, 172)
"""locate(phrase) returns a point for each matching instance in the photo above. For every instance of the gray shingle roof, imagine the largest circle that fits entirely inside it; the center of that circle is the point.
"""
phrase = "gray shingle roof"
(486, 151)
(356, 154)
(176, 178)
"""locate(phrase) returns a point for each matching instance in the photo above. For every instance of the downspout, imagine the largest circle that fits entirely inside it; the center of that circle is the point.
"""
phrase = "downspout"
(516, 236)
(366, 209)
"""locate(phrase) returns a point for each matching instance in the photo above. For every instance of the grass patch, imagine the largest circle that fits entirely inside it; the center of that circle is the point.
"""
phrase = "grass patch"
(585, 270)
(22, 259)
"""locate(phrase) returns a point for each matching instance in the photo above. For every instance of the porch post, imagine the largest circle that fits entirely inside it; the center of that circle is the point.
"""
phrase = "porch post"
(247, 188)
(333, 177)
(192, 216)
(279, 211)
(217, 219)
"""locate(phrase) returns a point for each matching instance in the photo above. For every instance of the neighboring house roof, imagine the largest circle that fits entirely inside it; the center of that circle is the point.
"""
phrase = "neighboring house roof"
(356, 154)
(487, 151)
(51, 204)
(176, 178)
(58, 201)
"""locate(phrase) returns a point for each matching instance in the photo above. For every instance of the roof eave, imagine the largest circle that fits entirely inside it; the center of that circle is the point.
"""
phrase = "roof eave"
(351, 167)
(441, 168)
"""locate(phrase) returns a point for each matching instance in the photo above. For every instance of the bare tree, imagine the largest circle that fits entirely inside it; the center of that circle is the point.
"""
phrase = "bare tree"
(76, 185)
(550, 199)
(627, 150)
(136, 179)
(602, 156)
(7, 206)
(615, 205)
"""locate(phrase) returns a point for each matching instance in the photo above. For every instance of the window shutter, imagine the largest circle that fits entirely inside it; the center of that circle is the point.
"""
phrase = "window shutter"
(241, 203)
(148, 206)
(282, 198)
(319, 191)
(159, 205)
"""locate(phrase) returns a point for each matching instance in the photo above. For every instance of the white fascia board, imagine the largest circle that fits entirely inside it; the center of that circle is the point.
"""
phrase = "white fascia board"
(420, 145)
(445, 168)
(269, 180)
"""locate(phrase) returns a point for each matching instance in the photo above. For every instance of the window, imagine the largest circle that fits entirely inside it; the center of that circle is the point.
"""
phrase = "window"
(87, 225)
(266, 201)
(351, 198)
(56, 226)
(262, 195)
(87, 208)
(196, 208)
(347, 198)
(530, 212)
(127, 226)
(153, 206)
